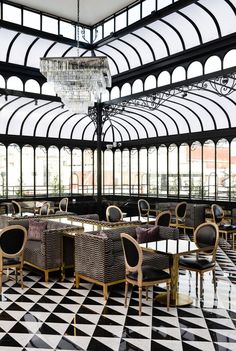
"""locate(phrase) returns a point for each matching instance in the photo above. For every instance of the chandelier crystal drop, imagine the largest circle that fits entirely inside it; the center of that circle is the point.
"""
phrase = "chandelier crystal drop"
(78, 81)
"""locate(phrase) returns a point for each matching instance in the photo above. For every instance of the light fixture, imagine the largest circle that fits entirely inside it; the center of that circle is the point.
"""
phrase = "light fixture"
(78, 81)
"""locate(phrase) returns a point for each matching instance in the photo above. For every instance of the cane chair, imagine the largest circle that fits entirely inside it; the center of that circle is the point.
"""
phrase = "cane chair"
(163, 219)
(114, 214)
(205, 235)
(16, 208)
(12, 243)
(138, 274)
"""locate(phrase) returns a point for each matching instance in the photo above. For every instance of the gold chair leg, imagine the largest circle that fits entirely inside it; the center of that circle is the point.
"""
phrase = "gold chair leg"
(0, 281)
(21, 278)
(126, 292)
(168, 295)
(140, 300)
(77, 280)
(105, 292)
(46, 276)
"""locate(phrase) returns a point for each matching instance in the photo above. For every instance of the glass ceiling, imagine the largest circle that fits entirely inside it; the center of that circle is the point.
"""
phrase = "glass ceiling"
(159, 102)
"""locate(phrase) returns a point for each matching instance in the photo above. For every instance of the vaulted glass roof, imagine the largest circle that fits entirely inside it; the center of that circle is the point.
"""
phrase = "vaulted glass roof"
(173, 73)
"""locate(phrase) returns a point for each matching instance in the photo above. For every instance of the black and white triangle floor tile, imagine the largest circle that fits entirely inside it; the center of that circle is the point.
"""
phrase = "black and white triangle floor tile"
(56, 316)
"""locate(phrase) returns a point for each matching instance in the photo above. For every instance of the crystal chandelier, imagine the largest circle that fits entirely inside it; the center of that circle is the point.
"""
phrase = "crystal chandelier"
(79, 81)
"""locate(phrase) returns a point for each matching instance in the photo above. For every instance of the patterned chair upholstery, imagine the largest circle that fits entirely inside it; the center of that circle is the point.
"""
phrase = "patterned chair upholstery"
(99, 256)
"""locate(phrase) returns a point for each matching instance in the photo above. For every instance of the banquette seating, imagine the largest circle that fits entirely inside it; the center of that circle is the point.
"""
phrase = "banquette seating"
(99, 256)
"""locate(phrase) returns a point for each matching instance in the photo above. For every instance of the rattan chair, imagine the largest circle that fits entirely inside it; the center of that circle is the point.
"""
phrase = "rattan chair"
(114, 214)
(138, 274)
(205, 235)
(12, 243)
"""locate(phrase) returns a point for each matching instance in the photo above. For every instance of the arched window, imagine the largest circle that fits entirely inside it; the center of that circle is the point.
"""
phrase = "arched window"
(53, 171)
(162, 171)
(27, 170)
(222, 170)
(173, 170)
(143, 171)
(76, 171)
(118, 172)
(195, 69)
(14, 171)
(209, 175)
(108, 172)
(40, 171)
(196, 170)
(184, 170)
(125, 172)
(65, 171)
(3, 170)
(88, 171)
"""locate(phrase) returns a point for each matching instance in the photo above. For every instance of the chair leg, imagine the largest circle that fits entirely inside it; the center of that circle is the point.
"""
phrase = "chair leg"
(140, 300)
(214, 280)
(146, 292)
(126, 292)
(21, 278)
(168, 295)
(0, 281)
(197, 283)
(201, 282)
(105, 292)
(77, 280)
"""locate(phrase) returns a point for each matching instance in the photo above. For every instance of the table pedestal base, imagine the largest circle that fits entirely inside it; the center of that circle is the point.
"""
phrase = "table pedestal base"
(181, 299)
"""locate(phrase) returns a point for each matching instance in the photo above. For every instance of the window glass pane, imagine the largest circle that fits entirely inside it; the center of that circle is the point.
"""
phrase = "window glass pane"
(41, 170)
(14, 179)
(209, 170)
(152, 171)
(31, 19)
(11, 14)
(143, 171)
(65, 168)
(134, 14)
(163, 3)
(173, 170)
(134, 171)
(162, 171)
(84, 34)
(125, 172)
(97, 34)
(53, 171)
(67, 30)
(233, 169)
(196, 170)
(88, 171)
(222, 169)
(184, 170)
(49, 24)
(120, 21)
(76, 171)
(3, 188)
(27, 171)
(108, 172)
(108, 27)
(117, 172)
(148, 6)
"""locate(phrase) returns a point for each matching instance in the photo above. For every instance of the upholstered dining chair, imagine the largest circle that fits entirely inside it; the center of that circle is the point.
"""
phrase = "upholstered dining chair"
(114, 214)
(63, 205)
(145, 210)
(44, 209)
(178, 219)
(16, 207)
(12, 243)
(138, 274)
(205, 235)
(217, 214)
(163, 219)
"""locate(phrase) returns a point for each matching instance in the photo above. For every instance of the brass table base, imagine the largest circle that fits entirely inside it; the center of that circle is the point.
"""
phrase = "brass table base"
(181, 299)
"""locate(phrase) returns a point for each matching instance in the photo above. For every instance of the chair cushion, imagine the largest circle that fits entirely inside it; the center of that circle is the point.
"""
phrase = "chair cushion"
(35, 229)
(200, 264)
(149, 273)
(10, 261)
(145, 235)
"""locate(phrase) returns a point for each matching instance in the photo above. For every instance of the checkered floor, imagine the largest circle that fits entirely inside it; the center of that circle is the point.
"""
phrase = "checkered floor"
(59, 317)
